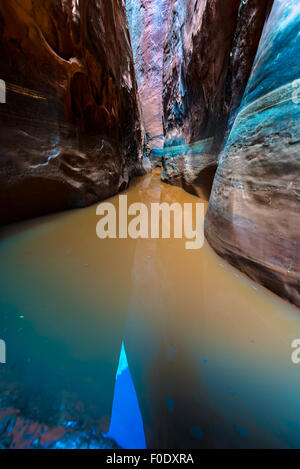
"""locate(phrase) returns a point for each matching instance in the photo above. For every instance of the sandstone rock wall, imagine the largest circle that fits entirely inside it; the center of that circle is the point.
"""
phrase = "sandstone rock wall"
(209, 52)
(70, 131)
(148, 24)
(253, 218)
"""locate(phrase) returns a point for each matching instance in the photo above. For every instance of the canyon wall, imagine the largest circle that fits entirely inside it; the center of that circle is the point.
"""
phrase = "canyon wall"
(148, 23)
(253, 218)
(208, 55)
(70, 131)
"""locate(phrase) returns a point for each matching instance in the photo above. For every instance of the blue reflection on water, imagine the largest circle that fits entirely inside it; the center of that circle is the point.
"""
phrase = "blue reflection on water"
(126, 426)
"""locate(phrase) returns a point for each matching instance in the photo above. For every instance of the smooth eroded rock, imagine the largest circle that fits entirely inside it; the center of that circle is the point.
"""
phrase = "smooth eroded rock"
(148, 24)
(209, 52)
(70, 130)
(253, 218)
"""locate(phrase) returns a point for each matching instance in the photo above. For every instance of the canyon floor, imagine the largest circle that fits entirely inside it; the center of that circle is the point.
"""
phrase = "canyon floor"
(209, 351)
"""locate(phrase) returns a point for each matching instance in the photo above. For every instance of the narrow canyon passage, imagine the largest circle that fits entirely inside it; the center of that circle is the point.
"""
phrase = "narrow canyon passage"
(209, 351)
(128, 343)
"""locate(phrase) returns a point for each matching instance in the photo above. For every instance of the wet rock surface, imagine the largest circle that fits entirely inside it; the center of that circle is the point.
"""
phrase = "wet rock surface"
(148, 24)
(209, 52)
(17, 432)
(70, 130)
(253, 217)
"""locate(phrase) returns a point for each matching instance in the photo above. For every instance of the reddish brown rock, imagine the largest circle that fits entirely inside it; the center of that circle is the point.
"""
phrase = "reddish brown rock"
(148, 24)
(209, 52)
(71, 131)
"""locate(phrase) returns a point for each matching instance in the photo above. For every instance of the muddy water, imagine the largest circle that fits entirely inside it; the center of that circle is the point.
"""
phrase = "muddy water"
(209, 351)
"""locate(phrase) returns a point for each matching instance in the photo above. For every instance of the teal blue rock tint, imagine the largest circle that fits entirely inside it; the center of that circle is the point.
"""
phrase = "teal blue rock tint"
(254, 218)
(210, 48)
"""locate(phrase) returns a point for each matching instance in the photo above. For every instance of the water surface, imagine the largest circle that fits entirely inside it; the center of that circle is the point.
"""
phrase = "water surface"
(209, 351)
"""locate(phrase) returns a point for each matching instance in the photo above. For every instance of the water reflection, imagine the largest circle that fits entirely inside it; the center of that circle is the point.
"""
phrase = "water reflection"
(208, 350)
(126, 427)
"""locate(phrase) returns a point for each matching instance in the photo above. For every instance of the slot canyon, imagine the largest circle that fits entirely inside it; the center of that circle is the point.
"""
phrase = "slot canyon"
(140, 343)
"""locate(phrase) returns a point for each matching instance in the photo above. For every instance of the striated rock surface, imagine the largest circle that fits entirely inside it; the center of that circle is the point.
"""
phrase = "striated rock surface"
(148, 24)
(70, 130)
(253, 218)
(209, 52)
